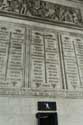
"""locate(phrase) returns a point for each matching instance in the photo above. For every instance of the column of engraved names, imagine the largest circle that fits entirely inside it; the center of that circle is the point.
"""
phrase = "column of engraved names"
(52, 61)
(4, 45)
(37, 60)
(70, 63)
(78, 43)
(15, 71)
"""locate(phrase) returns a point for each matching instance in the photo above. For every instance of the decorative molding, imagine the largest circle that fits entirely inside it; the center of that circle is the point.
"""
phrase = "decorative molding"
(41, 10)
(76, 1)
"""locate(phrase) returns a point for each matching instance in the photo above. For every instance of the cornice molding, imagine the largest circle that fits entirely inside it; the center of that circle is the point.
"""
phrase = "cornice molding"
(76, 1)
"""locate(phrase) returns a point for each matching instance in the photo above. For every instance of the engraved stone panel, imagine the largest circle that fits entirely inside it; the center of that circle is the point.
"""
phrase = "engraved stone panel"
(45, 62)
(4, 47)
(11, 54)
(40, 61)
(15, 69)
(72, 58)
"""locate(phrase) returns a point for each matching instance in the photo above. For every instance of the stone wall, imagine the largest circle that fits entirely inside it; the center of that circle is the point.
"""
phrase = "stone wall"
(21, 110)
